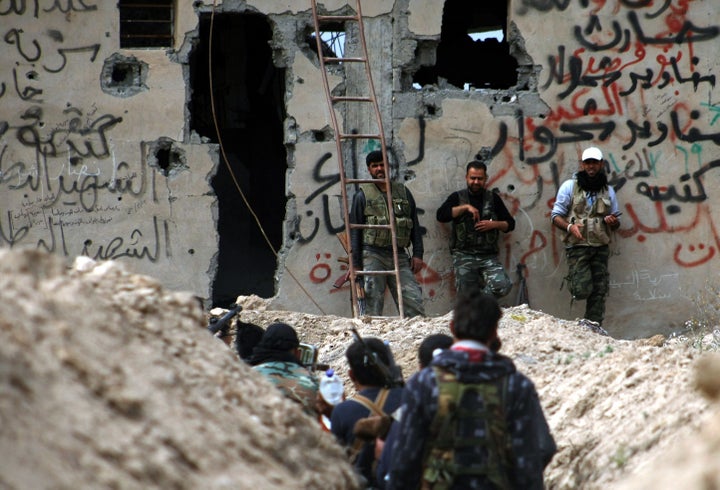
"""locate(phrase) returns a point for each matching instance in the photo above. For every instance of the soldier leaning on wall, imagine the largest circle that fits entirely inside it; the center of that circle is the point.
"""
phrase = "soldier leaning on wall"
(586, 209)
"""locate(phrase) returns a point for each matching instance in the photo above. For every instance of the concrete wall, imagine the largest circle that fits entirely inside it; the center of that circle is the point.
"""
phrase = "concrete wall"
(80, 173)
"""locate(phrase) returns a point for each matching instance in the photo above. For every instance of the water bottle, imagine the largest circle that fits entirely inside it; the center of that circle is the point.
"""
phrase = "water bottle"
(331, 387)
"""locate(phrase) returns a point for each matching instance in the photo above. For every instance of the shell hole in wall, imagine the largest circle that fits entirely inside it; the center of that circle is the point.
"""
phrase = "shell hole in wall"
(473, 38)
(249, 111)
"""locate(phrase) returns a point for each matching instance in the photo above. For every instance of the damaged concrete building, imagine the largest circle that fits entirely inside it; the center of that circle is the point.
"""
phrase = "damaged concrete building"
(192, 140)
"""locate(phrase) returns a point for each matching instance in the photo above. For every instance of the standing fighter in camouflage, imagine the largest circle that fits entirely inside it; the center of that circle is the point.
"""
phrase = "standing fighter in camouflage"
(586, 208)
(372, 248)
(477, 215)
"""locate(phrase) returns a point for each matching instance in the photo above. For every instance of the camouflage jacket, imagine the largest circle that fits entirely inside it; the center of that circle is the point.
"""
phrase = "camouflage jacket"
(295, 381)
(529, 439)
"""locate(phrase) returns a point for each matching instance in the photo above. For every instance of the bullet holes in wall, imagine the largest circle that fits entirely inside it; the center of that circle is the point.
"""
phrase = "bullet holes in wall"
(123, 76)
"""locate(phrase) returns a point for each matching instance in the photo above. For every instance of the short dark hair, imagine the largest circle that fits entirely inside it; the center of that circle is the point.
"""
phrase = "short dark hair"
(477, 165)
(373, 156)
(430, 344)
(476, 315)
(364, 370)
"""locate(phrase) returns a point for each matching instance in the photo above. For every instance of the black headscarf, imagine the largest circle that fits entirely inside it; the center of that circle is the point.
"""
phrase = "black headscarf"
(276, 345)
(247, 336)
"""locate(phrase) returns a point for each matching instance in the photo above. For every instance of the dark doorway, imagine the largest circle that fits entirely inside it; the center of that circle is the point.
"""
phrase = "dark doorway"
(249, 108)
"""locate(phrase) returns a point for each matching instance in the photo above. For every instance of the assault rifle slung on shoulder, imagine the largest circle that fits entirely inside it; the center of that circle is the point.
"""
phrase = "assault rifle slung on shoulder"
(392, 374)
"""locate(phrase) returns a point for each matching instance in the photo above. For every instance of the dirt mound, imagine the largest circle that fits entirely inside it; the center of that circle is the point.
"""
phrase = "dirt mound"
(614, 406)
(109, 380)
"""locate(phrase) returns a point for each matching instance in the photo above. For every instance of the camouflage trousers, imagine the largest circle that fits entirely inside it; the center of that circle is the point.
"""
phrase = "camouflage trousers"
(588, 278)
(484, 272)
(375, 285)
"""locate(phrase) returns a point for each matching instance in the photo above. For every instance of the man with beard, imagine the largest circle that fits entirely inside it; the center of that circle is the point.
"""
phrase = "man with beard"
(586, 208)
(372, 247)
(477, 215)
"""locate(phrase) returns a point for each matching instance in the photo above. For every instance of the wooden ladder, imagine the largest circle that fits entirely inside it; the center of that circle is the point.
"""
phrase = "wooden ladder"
(341, 136)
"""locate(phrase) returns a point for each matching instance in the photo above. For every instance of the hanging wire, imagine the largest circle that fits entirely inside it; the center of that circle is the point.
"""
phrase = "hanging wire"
(229, 167)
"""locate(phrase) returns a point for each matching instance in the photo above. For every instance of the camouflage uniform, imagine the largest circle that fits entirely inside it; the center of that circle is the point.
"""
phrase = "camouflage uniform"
(374, 260)
(484, 272)
(474, 253)
(372, 248)
(588, 277)
(294, 380)
(525, 440)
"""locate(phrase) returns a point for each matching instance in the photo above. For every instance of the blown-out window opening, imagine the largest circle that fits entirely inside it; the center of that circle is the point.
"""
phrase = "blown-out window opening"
(146, 23)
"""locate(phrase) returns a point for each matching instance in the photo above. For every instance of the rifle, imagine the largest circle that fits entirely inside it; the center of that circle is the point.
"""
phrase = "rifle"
(221, 324)
(359, 289)
(392, 373)
(309, 358)
(522, 294)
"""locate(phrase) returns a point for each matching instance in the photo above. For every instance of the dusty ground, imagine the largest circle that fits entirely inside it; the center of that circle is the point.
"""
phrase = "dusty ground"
(109, 381)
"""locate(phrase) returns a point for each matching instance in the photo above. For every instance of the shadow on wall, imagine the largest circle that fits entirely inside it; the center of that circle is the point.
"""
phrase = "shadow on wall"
(249, 109)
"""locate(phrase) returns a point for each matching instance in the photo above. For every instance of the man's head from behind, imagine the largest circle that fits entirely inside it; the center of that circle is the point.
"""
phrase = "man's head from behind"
(476, 316)
(247, 336)
(281, 337)
(363, 369)
(429, 345)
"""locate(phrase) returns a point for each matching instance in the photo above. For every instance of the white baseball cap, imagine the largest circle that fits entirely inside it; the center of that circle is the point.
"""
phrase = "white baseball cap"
(592, 153)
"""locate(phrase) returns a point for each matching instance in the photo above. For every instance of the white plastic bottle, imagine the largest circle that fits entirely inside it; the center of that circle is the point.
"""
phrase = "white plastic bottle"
(331, 387)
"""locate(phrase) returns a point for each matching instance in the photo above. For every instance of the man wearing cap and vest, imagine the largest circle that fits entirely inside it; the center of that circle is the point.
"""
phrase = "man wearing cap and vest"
(372, 248)
(478, 215)
(586, 209)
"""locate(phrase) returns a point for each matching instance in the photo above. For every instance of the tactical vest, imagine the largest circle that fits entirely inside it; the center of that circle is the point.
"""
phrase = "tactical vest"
(376, 213)
(465, 238)
(445, 446)
(594, 230)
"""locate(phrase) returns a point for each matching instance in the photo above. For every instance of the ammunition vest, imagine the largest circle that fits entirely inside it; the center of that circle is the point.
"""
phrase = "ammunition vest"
(594, 230)
(469, 415)
(465, 238)
(376, 213)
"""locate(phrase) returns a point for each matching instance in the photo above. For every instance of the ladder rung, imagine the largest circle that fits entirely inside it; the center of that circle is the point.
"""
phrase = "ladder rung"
(374, 273)
(361, 136)
(351, 99)
(346, 60)
(359, 226)
(336, 18)
(364, 181)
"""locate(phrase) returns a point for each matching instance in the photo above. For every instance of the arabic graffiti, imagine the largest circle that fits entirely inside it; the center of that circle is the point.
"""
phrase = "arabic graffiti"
(64, 185)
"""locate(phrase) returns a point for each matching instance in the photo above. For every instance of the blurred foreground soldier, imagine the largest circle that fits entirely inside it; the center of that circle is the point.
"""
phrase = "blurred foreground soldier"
(372, 248)
(431, 346)
(376, 396)
(247, 336)
(277, 356)
(470, 420)
(587, 210)
(478, 215)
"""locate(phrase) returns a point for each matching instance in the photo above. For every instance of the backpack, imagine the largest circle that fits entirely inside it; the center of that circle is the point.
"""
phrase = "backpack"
(439, 463)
